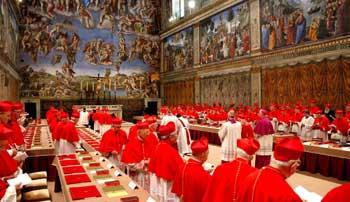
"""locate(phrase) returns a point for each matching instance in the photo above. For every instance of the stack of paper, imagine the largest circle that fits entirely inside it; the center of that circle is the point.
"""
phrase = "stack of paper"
(307, 195)
(21, 179)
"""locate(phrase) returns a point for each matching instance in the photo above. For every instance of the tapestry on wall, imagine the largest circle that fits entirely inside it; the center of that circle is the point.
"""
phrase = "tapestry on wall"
(294, 22)
(178, 50)
(226, 89)
(73, 48)
(225, 35)
(326, 81)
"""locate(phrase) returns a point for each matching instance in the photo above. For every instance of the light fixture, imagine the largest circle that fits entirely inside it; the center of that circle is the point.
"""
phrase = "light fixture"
(191, 4)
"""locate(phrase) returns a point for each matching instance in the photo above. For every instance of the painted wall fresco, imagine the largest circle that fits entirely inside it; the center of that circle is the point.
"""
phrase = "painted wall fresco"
(73, 48)
(178, 50)
(294, 22)
(9, 31)
(226, 89)
(225, 35)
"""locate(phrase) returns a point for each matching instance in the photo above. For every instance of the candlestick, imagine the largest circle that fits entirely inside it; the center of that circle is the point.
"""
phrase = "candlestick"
(104, 86)
(93, 87)
(81, 85)
(109, 85)
(115, 85)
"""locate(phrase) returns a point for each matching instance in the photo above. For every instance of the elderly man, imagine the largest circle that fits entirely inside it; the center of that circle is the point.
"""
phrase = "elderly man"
(229, 132)
(263, 133)
(269, 183)
(137, 154)
(165, 164)
(229, 177)
(190, 183)
(113, 141)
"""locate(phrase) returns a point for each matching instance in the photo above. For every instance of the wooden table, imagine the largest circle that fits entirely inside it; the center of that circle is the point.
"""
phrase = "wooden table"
(41, 152)
(105, 164)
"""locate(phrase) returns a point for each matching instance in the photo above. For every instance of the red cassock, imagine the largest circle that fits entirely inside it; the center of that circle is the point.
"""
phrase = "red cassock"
(3, 187)
(191, 182)
(18, 137)
(70, 132)
(132, 132)
(226, 181)
(112, 141)
(342, 125)
(53, 125)
(338, 194)
(166, 161)
(8, 164)
(266, 185)
(10, 138)
(59, 130)
(137, 150)
(247, 131)
(322, 123)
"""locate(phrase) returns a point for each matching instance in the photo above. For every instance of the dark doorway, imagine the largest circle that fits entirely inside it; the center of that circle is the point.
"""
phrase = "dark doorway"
(151, 108)
(30, 108)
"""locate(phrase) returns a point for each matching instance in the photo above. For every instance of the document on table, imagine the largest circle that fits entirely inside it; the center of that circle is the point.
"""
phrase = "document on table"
(22, 179)
(307, 195)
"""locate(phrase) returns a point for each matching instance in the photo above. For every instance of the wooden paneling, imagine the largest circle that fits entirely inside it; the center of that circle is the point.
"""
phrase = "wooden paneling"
(179, 92)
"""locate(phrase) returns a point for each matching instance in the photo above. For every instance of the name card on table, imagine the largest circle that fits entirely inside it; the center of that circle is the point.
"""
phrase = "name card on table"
(117, 173)
(110, 166)
(132, 185)
(150, 199)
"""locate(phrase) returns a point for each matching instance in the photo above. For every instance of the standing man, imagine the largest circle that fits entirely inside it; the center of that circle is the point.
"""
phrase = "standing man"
(69, 139)
(165, 164)
(184, 139)
(229, 132)
(269, 183)
(306, 126)
(113, 141)
(228, 178)
(137, 154)
(191, 182)
(84, 118)
(263, 133)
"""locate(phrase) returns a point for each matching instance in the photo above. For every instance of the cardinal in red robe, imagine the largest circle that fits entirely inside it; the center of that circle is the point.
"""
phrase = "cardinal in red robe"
(14, 126)
(192, 181)
(321, 126)
(269, 183)
(137, 154)
(340, 193)
(9, 165)
(5, 117)
(228, 178)
(165, 163)
(113, 141)
(69, 139)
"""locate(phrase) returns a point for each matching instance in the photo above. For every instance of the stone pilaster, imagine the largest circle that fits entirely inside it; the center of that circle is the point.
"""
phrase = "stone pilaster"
(256, 85)
(196, 45)
(255, 25)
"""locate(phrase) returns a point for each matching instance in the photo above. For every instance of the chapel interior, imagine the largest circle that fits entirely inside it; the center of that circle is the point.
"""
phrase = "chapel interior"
(151, 100)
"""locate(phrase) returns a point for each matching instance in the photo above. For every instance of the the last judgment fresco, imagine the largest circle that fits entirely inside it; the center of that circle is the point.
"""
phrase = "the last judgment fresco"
(72, 48)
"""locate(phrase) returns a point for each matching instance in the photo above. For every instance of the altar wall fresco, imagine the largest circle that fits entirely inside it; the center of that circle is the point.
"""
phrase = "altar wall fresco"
(76, 48)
